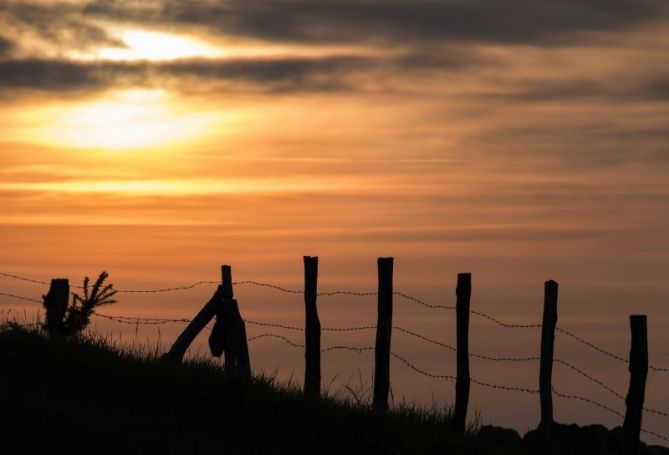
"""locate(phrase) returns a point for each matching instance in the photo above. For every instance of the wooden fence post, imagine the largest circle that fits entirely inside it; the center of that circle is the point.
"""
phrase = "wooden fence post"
(463, 292)
(195, 326)
(55, 303)
(236, 346)
(638, 368)
(226, 280)
(383, 331)
(547, 347)
(217, 337)
(312, 341)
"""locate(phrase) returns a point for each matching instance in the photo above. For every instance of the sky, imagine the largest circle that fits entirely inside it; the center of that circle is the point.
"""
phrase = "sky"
(520, 141)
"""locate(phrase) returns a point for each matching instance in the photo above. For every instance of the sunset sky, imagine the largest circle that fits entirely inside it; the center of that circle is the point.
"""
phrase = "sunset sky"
(519, 140)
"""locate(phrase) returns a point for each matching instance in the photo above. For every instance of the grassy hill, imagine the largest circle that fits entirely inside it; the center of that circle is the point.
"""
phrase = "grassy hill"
(88, 396)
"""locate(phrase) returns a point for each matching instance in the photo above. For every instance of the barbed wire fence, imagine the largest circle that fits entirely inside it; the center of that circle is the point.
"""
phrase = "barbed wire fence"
(137, 321)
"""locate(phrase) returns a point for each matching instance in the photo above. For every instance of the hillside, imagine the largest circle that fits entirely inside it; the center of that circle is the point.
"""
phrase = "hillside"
(88, 396)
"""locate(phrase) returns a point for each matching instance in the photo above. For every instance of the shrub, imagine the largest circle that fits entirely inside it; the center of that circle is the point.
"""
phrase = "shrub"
(78, 314)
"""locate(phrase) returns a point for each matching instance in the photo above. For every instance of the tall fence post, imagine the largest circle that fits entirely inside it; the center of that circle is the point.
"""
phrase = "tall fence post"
(55, 303)
(547, 347)
(638, 368)
(383, 331)
(236, 346)
(312, 332)
(217, 337)
(463, 293)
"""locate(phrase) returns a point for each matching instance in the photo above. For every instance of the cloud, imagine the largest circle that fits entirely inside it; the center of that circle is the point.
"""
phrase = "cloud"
(651, 89)
(397, 21)
(271, 75)
(52, 75)
(60, 25)
(5, 46)
(275, 75)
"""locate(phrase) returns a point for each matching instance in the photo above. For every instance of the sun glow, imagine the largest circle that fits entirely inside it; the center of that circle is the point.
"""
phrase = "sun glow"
(145, 45)
(125, 120)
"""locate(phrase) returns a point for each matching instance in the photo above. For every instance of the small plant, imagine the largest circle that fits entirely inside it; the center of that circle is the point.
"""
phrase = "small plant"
(79, 312)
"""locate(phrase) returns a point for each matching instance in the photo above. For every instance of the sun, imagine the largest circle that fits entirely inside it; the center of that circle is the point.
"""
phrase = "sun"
(126, 120)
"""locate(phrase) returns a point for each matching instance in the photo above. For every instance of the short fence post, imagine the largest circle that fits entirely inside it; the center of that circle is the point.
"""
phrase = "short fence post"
(547, 347)
(383, 332)
(312, 332)
(55, 303)
(638, 368)
(463, 292)
(236, 346)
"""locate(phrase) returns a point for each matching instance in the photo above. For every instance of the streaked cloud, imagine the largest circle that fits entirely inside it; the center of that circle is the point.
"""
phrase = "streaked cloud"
(395, 21)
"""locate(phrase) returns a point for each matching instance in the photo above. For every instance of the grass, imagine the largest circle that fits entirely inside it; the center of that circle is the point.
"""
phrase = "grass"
(405, 429)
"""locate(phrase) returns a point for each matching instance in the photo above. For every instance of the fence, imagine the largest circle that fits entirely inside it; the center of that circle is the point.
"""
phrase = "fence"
(228, 338)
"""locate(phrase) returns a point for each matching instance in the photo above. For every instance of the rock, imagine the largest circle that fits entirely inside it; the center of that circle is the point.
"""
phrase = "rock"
(503, 437)
(655, 450)
(567, 440)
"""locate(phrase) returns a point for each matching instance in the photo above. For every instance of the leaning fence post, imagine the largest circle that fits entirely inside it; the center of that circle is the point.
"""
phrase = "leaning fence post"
(195, 326)
(547, 347)
(236, 346)
(383, 332)
(55, 304)
(312, 337)
(638, 368)
(463, 292)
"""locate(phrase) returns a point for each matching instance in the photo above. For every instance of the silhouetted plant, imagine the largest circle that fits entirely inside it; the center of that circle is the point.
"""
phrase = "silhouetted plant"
(79, 312)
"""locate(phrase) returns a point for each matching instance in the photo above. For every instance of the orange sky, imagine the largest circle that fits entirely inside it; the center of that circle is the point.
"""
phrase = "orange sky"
(160, 139)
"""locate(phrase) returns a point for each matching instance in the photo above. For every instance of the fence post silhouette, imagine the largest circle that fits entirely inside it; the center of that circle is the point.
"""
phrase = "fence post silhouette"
(55, 303)
(312, 332)
(638, 368)
(463, 293)
(235, 343)
(547, 346)
(383, 333)
(183, 341)
(217, 337)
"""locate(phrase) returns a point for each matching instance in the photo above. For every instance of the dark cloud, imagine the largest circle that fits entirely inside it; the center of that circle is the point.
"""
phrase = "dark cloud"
(274, 75)
(270, 75)
(56, 75)
(652, 89)
(61, 24)
(325, 74)
(397, 21)
(658, 89)
(5, 46)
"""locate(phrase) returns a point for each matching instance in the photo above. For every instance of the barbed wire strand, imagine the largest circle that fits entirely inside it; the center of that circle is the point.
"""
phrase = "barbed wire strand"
(587, 400)
(140, 321)
(657, 435)
(422, 302)
(22, 278)
(299, 345)
(27, 299)
(591, 345)
(607, 408)
(155, 291)
(268, 285)
(349, 348)
(273, 335)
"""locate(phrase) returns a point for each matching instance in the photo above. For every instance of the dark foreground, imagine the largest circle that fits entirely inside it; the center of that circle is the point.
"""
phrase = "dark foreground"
(54, 411)
(85, 397)
(88, 397)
